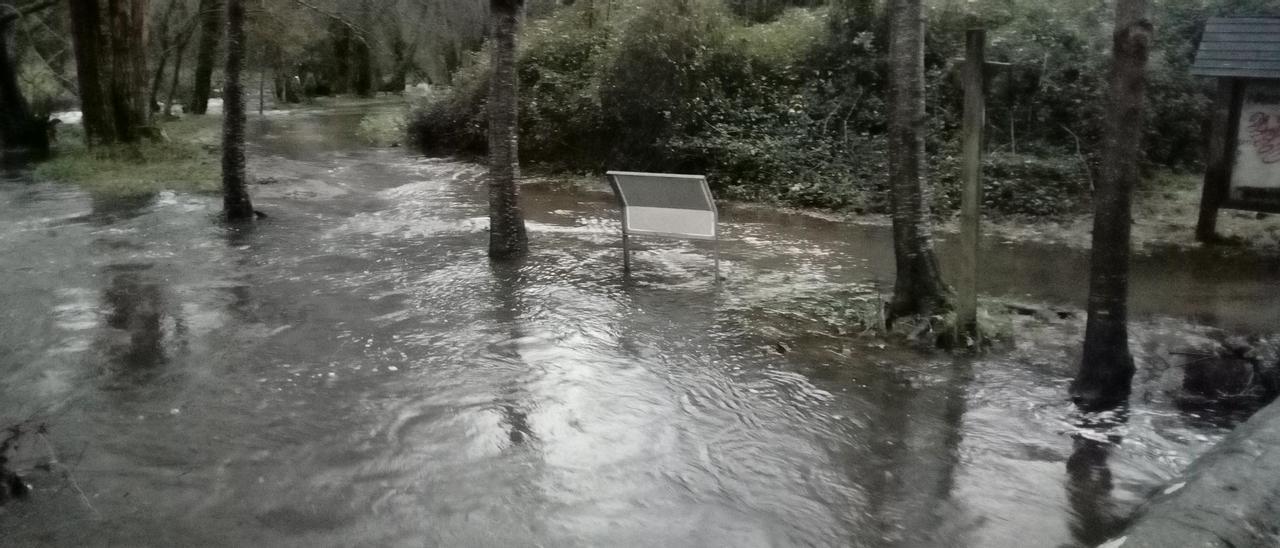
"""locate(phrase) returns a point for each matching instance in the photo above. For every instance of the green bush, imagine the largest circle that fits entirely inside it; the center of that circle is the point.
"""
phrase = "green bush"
(1017, 184)
(787, 104)
(454, 120)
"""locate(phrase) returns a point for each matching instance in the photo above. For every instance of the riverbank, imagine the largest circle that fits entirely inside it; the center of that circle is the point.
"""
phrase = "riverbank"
(1165, 210)
(186, 159)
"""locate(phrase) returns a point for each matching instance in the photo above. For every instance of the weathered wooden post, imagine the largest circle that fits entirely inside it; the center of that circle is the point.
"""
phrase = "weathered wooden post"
(971, 195)
(1217, 162)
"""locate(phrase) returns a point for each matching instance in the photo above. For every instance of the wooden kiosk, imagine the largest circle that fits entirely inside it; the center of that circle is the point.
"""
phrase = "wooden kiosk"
(1243, 165)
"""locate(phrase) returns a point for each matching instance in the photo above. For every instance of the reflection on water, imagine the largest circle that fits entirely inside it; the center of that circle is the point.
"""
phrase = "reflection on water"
(1096, 515)
(135, 311)
(353, 370)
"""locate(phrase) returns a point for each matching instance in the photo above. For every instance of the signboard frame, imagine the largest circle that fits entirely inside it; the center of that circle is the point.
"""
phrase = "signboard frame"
(1233, 193)
(624, 204)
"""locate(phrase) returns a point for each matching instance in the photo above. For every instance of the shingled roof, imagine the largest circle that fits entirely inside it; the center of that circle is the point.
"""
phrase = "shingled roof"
(1239, 47)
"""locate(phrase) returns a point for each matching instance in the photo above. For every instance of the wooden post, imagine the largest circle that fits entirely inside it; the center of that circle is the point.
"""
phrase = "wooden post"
(1217, 170)
(971, 194)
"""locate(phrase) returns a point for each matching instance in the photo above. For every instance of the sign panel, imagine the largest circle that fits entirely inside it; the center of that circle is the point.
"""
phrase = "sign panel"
(665, 204)
(1255, 176)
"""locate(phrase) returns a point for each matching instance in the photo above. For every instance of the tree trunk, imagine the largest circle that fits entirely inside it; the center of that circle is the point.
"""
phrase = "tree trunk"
(18, 127)
(235, 194)
(139, 96)
(918, 289)
(153, 97)
(340, 73)
(118, 74)
(507, 238)
(128, 76)
(177, 73)
(363, 79)
(88, 42)
(211, 26)
(1107, 367)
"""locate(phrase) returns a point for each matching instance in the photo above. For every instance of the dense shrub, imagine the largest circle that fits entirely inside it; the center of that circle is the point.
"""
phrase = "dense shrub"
(787, 104)
(455, 120)
(1017, 184)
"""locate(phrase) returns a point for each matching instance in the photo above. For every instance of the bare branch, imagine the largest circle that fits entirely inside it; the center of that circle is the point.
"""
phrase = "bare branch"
(23, 11)
(359, 32)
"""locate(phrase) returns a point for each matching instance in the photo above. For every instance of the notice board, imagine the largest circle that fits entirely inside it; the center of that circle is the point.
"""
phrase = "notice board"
(1255, 174)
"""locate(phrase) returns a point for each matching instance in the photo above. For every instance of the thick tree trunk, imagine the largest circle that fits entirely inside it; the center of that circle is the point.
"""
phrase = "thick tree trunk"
(18, 127)
(211, 27)
(1107, 367)
(128, 77)
(118, 80)
(90, 45)
(918, 289)
(507, 237)
(235, 194)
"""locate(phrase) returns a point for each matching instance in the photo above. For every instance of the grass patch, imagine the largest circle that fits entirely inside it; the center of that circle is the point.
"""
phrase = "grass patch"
(187, 160)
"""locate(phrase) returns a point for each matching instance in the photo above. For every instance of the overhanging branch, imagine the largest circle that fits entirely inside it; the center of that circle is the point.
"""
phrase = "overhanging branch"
(23, 11)
(359, 32)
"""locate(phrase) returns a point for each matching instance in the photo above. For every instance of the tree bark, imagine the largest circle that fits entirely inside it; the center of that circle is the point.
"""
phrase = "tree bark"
(507, 236)
(918, 289)
(211, 27)
(1106, 370)
(118, 80)
(177, 73)
(139, 96)
(362, 83)
(236, 204)
(128, 76)
(153, 97)
(89, 43)
(19, 128)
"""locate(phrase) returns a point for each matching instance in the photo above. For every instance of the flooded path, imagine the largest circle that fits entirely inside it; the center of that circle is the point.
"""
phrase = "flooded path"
(353, 372)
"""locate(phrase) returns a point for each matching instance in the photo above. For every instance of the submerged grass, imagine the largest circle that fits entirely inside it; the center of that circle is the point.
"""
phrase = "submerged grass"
(187, 159)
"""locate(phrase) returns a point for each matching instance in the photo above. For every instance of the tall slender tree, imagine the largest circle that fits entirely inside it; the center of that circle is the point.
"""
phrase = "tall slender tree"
(236, 204)
(162, 39)
(918, 288)
(507, 237)
(211, 27)
(178, 56)
(1106, 370)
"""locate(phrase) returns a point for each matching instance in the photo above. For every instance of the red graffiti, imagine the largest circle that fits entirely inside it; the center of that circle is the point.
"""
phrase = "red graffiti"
(1264, 131)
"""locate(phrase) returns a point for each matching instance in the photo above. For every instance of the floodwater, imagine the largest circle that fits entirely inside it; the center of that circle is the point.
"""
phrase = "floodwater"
(353, 372)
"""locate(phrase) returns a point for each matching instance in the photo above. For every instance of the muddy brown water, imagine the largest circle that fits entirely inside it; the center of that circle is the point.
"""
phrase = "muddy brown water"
(353, 372)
